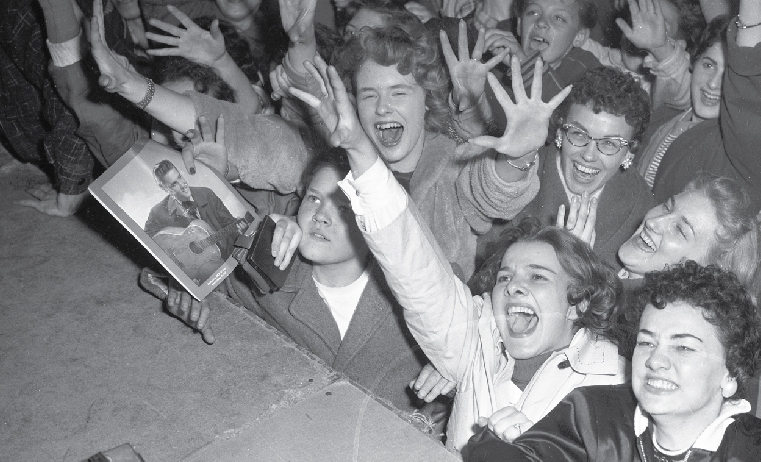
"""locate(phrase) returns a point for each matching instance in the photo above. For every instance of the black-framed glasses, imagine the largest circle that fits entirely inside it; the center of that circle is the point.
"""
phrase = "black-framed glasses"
(608, 145)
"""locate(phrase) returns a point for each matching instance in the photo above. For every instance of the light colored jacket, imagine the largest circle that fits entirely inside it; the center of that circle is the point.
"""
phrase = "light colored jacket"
(667, 82)
(457, 330)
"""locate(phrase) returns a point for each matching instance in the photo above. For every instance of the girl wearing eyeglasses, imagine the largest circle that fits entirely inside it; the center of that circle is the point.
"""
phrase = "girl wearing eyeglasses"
(585, 170)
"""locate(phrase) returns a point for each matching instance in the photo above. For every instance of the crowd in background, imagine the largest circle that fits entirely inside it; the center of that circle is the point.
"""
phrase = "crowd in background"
(532, 225)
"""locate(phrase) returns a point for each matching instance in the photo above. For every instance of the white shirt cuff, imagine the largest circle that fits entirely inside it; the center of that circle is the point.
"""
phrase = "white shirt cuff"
(66, 53)
(377, 199)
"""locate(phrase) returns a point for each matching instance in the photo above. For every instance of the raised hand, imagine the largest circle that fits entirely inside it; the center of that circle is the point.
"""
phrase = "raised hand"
(468, 73)
(507, 423)
(527, 118)
(581, 218)
(190, 41)
(333, 106)
(497, 40)
(430, 384)
(115, 71)
(297, 17)
(208, 147)
(649, 28)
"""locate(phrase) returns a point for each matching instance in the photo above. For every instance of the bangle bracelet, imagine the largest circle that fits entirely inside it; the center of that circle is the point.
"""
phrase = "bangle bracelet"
(524, 168)
(148, 95)
(741, 24)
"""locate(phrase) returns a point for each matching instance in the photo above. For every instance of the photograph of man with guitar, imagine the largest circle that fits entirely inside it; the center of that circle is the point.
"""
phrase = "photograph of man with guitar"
(191, 224)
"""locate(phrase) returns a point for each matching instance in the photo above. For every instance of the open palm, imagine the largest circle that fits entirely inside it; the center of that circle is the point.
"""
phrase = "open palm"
(528, 119)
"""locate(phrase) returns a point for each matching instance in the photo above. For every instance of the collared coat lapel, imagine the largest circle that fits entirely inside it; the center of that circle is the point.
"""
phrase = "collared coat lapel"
(308, 308)
(370, 316)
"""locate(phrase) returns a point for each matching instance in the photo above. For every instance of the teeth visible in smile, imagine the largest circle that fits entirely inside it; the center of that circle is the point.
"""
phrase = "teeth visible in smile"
(646, 239)
(387, 125)
(661, 384)
(710, 96)
(521, 310)
(587, 170)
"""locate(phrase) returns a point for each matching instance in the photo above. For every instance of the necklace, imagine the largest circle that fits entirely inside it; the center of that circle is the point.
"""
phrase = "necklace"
(658, 457)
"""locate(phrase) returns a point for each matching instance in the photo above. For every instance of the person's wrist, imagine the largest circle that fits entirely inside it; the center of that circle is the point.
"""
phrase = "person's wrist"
(222, 60)
(135, 90)
(664, 50)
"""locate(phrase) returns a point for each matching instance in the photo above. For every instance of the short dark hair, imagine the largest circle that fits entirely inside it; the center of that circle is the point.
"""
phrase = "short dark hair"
(691, 21)
(724, 302)
(336, 158)
(715, 32)
(610, 90)
(205, 79)
(413, 52)
(593, 280)
(161, 169)
(587, 12)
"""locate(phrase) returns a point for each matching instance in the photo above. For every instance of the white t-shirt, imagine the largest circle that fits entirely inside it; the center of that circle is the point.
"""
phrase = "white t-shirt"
(343, 301)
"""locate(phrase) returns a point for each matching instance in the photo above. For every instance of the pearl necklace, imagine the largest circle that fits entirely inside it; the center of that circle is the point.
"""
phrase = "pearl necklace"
(657, 457)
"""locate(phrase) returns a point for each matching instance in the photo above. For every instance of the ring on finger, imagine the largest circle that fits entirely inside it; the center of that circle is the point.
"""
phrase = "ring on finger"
(518, 427)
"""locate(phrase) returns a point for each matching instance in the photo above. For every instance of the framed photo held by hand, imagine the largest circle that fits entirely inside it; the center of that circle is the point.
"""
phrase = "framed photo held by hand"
(189, 223)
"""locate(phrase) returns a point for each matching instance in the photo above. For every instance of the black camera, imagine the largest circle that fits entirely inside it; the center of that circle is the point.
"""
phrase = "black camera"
(253, 250)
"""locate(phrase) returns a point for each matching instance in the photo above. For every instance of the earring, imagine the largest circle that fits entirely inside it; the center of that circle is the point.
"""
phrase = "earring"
(626, 163)
(558, 141)
(730, 388)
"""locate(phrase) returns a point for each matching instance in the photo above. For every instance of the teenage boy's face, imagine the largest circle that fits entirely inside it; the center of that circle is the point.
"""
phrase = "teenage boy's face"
(530, 301)
(391, 109)
(705, 86)
(330, 232)
(552, 26)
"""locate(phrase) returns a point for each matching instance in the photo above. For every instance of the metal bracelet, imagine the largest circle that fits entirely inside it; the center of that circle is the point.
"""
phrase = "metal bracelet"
(741, 24)
(148, 94)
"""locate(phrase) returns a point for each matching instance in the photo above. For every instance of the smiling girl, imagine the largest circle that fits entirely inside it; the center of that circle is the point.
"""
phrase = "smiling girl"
(698, 343)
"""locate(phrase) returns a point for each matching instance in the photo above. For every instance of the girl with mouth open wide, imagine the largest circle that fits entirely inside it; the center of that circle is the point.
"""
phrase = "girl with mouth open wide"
(550, 307)
(698, 343)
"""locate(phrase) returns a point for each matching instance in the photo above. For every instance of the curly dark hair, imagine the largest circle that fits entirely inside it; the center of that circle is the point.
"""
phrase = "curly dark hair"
(205, 79)
(593, 280)
(715, 32)
(413, 52)
(587, 12)
(610, 90)
(725, 304)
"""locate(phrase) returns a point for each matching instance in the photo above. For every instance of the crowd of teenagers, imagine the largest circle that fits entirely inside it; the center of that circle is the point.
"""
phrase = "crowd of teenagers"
(531, 225)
